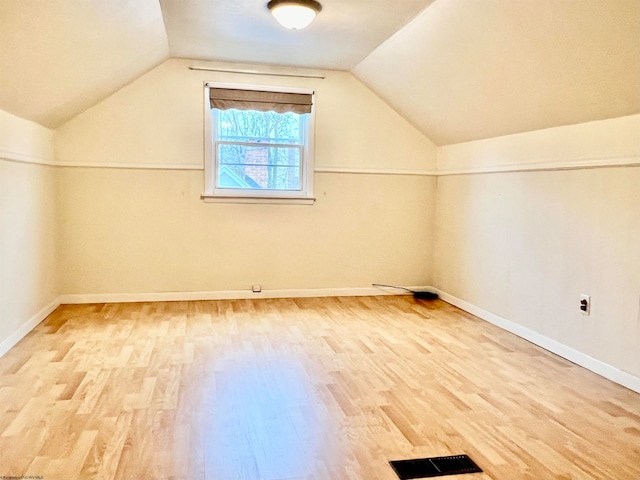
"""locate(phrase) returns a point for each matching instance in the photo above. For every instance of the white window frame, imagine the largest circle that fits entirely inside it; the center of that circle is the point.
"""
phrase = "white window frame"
(213, 194)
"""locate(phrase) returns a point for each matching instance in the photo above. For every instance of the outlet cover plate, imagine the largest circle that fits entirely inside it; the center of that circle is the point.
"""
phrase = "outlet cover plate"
(585, 304)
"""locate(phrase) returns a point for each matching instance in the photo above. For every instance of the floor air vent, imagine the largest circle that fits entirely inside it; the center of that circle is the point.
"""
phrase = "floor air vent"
(434, 467)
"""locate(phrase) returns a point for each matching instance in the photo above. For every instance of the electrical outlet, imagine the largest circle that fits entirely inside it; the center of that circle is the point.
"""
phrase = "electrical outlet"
(585, 304)
(256, 288)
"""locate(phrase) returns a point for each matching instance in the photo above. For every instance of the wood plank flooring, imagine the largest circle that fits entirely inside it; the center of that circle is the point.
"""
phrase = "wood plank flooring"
(301, 389)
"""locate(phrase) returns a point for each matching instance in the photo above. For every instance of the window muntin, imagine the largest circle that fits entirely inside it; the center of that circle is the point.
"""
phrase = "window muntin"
(252, 154)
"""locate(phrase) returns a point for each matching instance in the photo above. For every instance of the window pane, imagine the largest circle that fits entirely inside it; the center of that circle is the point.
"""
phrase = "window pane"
(263, 167)
(263, 127)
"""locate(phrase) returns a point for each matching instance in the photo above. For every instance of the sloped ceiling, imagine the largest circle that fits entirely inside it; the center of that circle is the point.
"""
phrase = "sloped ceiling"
(468, 69)
(60, 57)
(460, 70)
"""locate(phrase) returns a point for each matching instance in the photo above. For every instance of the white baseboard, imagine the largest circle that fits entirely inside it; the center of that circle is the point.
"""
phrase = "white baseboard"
(221, 295)
(21, 332)
(603, 369)
(26, 327)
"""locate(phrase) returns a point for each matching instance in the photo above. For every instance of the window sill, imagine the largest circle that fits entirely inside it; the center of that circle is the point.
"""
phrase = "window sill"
(208, 198)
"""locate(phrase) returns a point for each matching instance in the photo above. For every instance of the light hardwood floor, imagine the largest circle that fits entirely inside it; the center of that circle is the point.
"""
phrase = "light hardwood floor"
(324, 389)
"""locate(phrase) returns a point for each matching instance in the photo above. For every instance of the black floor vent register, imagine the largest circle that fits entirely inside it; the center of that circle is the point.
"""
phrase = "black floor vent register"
(434, 467)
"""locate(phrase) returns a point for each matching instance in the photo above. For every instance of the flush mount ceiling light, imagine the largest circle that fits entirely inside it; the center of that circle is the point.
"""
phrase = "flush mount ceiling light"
(294, 14)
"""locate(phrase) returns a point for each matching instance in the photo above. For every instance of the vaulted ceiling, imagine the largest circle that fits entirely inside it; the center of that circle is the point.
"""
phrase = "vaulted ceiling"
(469, 69)
(457, 69)
(60, 57)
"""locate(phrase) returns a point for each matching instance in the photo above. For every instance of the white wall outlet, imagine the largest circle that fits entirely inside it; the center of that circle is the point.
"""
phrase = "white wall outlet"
(585, 304)
(256, 288)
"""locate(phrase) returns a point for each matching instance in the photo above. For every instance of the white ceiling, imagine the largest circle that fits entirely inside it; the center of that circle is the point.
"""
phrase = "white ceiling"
(460, 70)
(468, 69)
(343, 34)
(59, 57)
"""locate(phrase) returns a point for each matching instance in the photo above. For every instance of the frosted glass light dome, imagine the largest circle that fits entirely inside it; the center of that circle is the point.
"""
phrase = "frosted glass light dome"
(294, 14)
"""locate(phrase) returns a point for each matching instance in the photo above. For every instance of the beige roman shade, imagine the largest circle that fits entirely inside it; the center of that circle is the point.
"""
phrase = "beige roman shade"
(280, 102)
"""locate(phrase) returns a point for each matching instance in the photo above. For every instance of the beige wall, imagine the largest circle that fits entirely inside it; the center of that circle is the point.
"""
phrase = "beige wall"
(139, 231)
(27, 225)
(616, 141)
(525, 245)
(133, 230)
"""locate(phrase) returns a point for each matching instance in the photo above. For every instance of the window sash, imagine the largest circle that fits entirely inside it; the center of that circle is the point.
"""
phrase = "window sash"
(300, 166)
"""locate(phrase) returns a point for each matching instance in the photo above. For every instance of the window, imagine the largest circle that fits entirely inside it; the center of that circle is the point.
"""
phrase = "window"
(258, 144)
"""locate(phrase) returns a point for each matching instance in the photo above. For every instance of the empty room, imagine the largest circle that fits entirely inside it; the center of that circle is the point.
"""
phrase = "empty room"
(320, 240)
